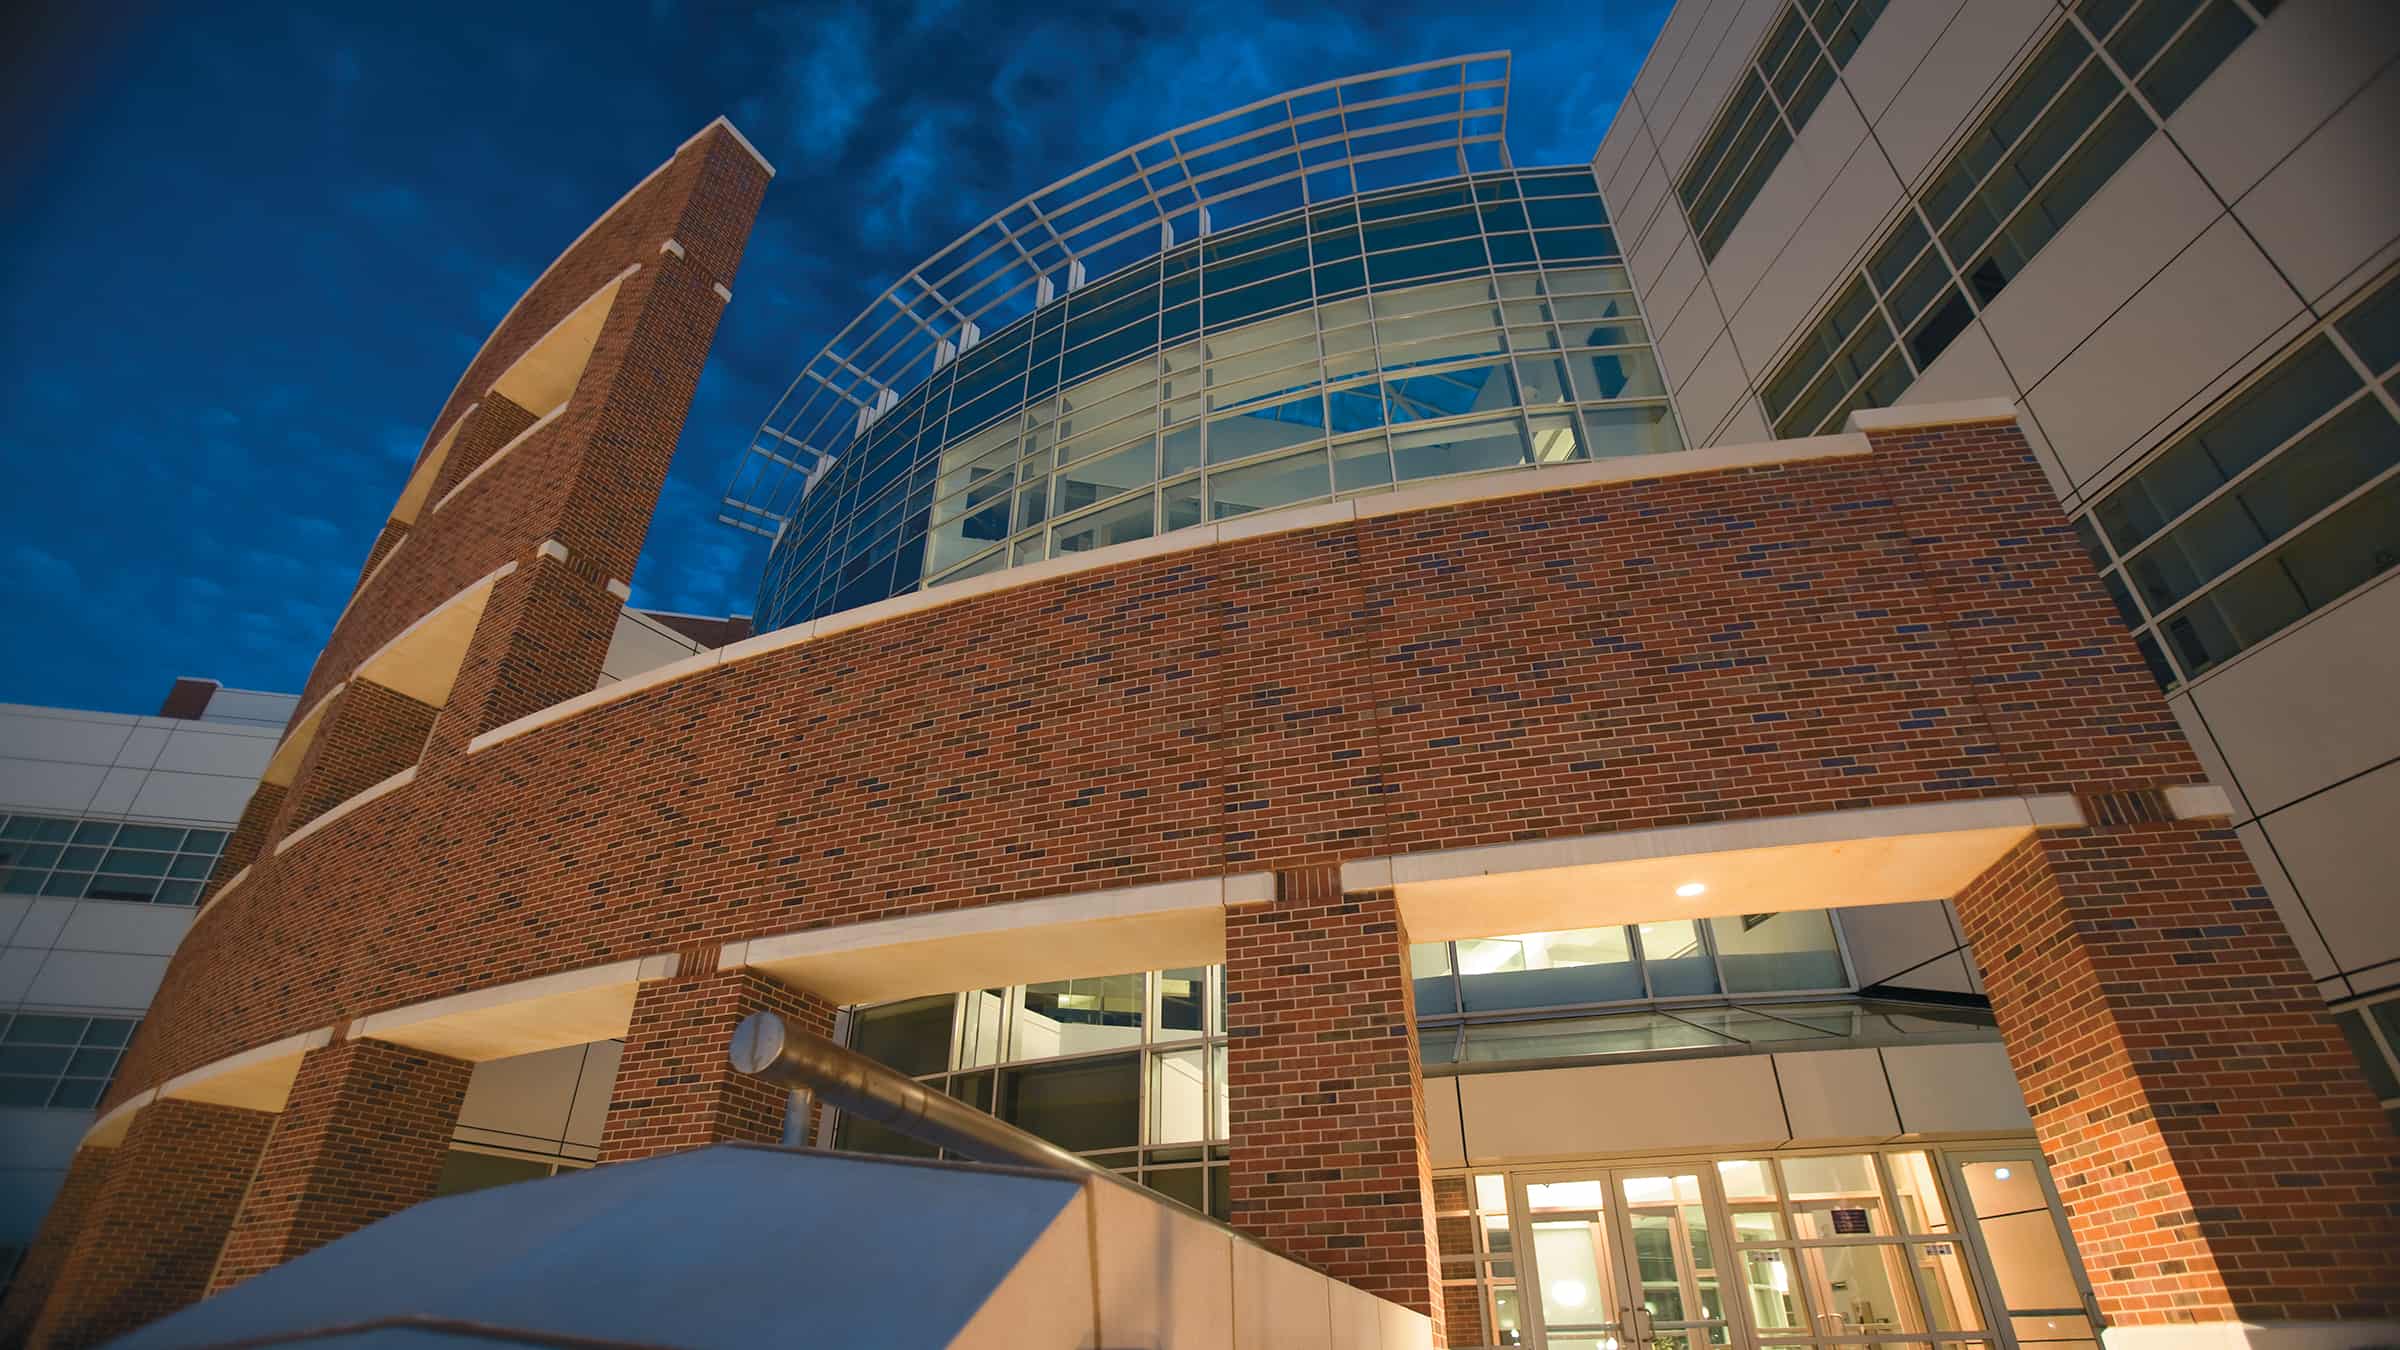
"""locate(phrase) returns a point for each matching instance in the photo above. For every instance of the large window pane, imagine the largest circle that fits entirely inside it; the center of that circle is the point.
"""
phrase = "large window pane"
(1178, 1097)
(912, 1037)
(1069, 1017)
(1677, 961)
(1080, 1105)
(1463, 449)
(1634, 429)
(1276, 482)
(1759, 953)
(1536, 970)
(1835, 1197)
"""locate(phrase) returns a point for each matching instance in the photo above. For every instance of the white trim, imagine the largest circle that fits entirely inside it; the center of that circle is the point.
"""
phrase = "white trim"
(551, 548)
(289, 1047)
(722, 293)
(1815, 827)
(121, 1111)
(671, 247)
(464, 594)
(620, 590)
(1314, 515)
(2198, 801)
(608, 693)
(1121, 902)
(337, 811)
(227, 889)
(738, 139)
(497, 996)
(1910, 416)
(380, 564)
(489, 460)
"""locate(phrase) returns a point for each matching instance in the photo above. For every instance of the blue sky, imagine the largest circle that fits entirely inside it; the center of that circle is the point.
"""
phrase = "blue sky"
(249, 253)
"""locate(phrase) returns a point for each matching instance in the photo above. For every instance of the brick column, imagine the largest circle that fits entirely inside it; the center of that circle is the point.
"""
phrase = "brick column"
(495, 422)
(363, 1135)
(542, 639)
(367, 735)
(38, 1272)
(2219, 1159)
(156, 1222)
(1329, 1164)
(675, 1088)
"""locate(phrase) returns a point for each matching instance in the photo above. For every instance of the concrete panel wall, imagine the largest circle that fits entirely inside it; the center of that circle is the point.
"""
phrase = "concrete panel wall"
(2265, 204)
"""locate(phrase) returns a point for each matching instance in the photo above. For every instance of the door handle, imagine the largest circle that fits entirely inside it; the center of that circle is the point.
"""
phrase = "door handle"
(1639, 1325)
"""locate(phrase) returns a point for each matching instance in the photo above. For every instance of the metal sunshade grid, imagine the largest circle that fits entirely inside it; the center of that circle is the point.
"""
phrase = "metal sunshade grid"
(1303, 147)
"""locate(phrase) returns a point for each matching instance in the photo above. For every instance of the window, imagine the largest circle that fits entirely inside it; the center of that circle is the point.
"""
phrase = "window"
(1126, 1069)
(1783, 84)
(106, 859)
(59, 1059)
(1589, 967)
(2110, 73)
(2278, 502)
(2373, 1030)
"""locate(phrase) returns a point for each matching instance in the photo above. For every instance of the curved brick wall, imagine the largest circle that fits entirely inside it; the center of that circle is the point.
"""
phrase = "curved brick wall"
(1913, 625)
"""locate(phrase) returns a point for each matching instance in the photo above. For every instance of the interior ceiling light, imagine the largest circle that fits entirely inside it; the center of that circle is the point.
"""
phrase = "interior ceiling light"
(1690, 888)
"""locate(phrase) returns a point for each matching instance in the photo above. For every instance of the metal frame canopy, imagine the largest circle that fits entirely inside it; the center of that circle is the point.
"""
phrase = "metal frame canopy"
(1321, 143)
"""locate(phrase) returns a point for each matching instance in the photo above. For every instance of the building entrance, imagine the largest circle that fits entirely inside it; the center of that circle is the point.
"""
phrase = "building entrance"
(1919, 1248)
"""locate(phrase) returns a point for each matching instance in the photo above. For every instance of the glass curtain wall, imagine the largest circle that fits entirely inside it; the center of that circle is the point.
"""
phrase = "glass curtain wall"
(1469, 325)
(106, 859)
(1128, 1070)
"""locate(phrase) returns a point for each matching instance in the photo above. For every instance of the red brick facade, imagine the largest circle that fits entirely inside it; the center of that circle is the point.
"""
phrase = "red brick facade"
(363, 1136)
(1329, 1164)
(2216, 1152)
(676, 1089)
(368, 733)
(1913, 625)
(47, 1254)
(153, 1229)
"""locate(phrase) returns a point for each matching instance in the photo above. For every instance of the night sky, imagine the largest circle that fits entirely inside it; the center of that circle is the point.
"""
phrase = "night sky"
(249, 253)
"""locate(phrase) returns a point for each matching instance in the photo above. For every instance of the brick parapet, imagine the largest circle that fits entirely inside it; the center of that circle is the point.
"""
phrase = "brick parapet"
(542, 639)
(1586, 660)
(363, 1135)
(2217, 1154)
(37, 1274)
(1328, 1163)
(368, 733)
(676, 1089)
(156, 1222)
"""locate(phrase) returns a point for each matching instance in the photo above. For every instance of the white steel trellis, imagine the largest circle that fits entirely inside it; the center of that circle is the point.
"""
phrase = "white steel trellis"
(1308, 145)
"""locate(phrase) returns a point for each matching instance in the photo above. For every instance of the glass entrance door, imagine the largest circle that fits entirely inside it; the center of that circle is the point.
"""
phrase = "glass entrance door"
(1628, 1259)
(2029, 1259)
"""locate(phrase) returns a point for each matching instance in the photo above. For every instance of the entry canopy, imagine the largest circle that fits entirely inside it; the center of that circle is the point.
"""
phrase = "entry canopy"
(733, 1245)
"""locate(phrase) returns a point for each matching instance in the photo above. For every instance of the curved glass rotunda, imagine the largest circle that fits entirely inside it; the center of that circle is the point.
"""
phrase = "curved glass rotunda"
(1331, 292)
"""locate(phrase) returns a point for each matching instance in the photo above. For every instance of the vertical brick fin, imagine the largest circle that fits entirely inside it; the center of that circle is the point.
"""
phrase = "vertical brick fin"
(497, 421)
(675, 1088)
(713, 222)
(154, 1227)
(362, 1136)
(2068, 700)
(1329, 1164)
(249, 837)
(2217, 1152)
(542, 639)
(38, 1273)
(369, 734)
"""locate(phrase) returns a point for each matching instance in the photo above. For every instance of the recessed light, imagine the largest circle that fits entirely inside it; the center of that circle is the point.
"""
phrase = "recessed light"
(1999, 1174)
(1690, 888)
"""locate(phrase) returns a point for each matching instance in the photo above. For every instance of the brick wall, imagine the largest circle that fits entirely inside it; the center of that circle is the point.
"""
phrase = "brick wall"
(249, 835)
(363, 1135)
(1711, 647)
(2217, 1153)
(542, 639)
(38, 1273)
(676, 1089)
(367, 735)
(1328, 1161)
(156, 1222)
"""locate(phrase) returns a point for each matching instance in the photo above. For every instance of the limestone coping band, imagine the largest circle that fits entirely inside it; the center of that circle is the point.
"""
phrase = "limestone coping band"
(1913, 416)
(227, 889)
(1402, 501)
(569, 1007)
(109, 1129)
(285, 762)
(671, 246)
(420, 479)
(2198, 801)
(372, 573)
(495, 457)
(738, 139)
(258, 1079)
(340, 809)
(1877, 855)
(1142, 927)
(723, 295)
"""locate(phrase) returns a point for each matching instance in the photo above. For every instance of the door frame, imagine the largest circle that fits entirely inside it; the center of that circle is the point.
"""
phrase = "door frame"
(1634, 1328)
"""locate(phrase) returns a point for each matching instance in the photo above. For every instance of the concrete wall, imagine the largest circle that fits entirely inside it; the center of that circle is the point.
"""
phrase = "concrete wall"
(105, 957)
(2265, 204)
